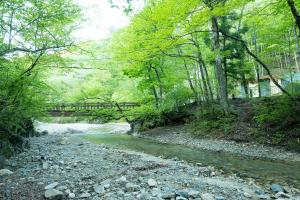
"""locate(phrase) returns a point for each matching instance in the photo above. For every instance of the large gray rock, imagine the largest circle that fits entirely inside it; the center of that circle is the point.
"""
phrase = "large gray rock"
(54, 194)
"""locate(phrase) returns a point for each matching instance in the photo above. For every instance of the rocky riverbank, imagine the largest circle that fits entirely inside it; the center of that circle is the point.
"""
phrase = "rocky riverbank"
(56, 168)
(180, 135)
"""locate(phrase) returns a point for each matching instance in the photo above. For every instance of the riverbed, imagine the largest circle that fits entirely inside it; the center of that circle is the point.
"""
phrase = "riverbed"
(101, 163)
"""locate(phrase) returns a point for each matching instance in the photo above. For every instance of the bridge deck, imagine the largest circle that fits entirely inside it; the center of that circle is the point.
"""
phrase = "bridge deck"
(68, 109)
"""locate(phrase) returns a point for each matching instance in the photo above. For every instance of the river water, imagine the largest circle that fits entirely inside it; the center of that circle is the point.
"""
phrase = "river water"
(265, 171)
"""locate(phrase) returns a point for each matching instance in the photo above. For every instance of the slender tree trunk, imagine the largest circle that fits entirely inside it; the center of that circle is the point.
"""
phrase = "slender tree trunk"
(159, 82)
(153, 88)
(257, 66)
(218, 65)
(203, 81)
(295, 12)
(297, 51)
(208, 80)
(189, 77)
(245, 85)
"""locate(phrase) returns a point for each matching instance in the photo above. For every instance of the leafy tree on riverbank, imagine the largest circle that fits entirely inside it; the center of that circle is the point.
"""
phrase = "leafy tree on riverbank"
(31, 35)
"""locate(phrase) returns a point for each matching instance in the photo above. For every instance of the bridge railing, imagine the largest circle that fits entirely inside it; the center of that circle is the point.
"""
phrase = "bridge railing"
(87, 106)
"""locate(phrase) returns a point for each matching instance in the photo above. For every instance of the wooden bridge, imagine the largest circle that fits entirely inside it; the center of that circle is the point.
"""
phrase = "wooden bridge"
(86, 109)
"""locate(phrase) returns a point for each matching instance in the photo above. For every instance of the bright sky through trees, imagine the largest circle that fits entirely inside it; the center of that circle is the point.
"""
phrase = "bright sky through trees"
(99, 20)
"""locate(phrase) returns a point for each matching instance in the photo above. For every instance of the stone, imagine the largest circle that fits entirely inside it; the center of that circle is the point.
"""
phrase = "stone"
(63, 187)
(182, 193)
(263, 196)
(51, 186)
(282, 194)
(54, 194)
(122, 179)
(67, 191)
(168, 195)
(277, 188)
(152, 183)
(207, 196)
(62, 141)
(45, 165)
(194, 193)
(144, 196)
(4, 172)
(220, 198)
(181, 198)
(99, 189)
(131, 187)
(259, 192)
(106, 186)
(85, 195)
(71, 195)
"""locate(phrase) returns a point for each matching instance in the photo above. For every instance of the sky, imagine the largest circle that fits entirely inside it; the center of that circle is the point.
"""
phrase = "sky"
(100, 20)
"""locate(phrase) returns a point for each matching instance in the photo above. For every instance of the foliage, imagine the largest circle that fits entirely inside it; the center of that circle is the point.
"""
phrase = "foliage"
(211, 121)
(31, 33)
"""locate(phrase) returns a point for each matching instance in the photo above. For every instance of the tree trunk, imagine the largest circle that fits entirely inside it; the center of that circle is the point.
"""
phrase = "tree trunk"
(189, 77)
(257, 66)
(295, 12)
(218, 65)
(153, 88)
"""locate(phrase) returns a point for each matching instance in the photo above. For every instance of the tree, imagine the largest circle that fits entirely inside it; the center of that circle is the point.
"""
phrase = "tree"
(31, 32)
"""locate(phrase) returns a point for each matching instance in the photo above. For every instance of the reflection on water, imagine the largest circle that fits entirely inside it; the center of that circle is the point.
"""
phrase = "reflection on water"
(263, 170)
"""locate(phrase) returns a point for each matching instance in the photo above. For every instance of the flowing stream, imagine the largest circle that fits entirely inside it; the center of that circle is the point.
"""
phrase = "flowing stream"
(265, 171)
